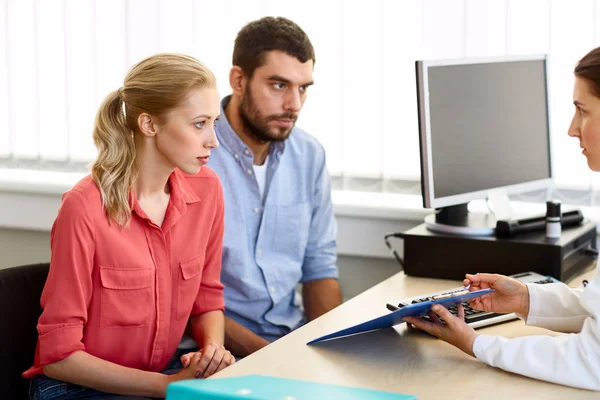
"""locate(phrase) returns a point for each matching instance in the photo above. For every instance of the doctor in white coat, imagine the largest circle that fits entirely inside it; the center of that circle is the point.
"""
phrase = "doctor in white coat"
(572, 359)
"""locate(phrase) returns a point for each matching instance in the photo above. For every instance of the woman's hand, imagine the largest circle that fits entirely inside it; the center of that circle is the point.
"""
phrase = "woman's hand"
(187, 372)
(510, 295)
(455, 331)
(209, 360)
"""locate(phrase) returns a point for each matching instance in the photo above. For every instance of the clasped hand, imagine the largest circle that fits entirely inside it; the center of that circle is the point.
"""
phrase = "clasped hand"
(205, 362)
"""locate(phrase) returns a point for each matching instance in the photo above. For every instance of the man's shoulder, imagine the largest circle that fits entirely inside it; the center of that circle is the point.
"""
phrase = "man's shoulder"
(304, 143)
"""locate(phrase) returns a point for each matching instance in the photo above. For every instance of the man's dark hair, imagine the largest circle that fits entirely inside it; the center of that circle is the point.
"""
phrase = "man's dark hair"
(267, 34)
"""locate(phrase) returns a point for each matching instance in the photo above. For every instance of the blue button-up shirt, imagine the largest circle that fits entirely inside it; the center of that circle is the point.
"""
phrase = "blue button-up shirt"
(273, 242)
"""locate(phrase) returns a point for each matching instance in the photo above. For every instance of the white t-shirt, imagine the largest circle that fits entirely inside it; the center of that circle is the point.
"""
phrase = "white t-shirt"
(260, 171)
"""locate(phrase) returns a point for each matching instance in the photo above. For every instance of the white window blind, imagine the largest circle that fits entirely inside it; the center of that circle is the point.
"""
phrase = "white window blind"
(59, 58)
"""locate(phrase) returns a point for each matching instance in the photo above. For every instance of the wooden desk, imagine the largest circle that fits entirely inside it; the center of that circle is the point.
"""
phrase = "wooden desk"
(396, 359)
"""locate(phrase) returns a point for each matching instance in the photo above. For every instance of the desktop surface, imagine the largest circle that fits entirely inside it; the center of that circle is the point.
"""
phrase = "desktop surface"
(398, 359)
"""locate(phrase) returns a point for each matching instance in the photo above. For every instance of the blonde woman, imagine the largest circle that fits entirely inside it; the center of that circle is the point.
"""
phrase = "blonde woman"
(136, 246)
(573, 359)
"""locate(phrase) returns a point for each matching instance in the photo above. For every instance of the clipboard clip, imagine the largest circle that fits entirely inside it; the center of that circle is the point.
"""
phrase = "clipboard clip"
(449, 295)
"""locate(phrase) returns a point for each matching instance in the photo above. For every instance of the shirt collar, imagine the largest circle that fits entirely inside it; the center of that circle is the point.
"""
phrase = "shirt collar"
(232, 142)
(181, 194)
(181, 191)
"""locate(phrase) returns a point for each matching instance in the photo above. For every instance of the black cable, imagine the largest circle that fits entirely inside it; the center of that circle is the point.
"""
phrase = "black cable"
(399, 235)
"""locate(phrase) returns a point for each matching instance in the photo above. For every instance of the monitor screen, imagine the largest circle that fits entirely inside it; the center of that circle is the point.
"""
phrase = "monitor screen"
(483, 125)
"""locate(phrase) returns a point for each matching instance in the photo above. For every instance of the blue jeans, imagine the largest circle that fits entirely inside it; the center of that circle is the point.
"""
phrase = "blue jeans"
(43, 388)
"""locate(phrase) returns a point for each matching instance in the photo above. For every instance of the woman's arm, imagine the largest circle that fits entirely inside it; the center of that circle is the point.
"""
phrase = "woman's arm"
(208, 331)
(87, 370)
(208, 328)
(572, 359)
(553, 306)
(557, 307)
(207, 320)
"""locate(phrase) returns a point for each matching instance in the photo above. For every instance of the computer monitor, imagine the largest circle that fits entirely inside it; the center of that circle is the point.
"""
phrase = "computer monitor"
(483, 128)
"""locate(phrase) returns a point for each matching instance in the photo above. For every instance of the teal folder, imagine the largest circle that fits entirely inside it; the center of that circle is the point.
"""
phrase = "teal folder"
(255, 387)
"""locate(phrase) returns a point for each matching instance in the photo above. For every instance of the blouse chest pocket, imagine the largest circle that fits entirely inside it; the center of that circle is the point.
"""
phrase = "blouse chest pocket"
(127, 297)
(189, 285)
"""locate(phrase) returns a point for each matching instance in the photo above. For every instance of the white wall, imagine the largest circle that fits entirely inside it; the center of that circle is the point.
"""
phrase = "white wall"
(19, 246)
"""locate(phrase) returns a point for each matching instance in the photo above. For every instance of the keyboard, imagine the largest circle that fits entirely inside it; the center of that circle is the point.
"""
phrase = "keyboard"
(477, 318)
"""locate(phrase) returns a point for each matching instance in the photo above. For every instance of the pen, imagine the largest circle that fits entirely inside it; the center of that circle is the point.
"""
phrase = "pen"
(449, 295)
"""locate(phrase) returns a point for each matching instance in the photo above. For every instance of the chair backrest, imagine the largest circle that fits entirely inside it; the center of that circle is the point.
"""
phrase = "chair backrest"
(20, 291)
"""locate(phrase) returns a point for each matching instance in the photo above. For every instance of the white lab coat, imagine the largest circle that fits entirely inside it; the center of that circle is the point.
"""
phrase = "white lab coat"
(573, 359)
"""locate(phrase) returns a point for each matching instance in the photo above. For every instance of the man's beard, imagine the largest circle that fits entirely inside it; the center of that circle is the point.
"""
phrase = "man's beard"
(258, 126)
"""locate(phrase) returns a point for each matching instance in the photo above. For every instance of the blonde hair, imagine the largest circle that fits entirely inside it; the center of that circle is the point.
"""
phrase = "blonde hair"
(154, 86)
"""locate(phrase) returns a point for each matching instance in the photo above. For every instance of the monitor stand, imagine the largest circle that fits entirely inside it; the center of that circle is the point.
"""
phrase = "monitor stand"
(457, 220)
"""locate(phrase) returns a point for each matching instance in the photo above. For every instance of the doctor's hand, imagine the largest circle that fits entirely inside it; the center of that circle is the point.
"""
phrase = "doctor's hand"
(510, 295)
(209, 360)
(455, 331)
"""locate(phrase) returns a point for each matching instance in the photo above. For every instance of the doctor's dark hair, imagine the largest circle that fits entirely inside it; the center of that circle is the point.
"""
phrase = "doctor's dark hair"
(588, 68)
(154, 86)
(258, 37)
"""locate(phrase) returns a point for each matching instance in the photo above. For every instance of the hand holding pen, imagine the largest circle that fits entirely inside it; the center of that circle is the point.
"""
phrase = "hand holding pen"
(510, 295)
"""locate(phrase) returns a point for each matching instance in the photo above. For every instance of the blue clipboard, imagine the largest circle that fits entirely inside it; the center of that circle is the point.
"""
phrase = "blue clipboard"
(395, 317)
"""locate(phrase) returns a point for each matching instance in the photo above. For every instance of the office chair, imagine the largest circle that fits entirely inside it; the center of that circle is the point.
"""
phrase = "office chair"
(20, 291)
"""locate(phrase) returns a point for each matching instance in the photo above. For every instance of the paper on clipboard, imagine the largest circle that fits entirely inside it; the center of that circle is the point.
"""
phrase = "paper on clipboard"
(395, 317)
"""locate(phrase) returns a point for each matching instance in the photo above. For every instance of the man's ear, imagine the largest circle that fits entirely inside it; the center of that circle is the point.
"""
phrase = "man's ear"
(237, 80)
(146, 125)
